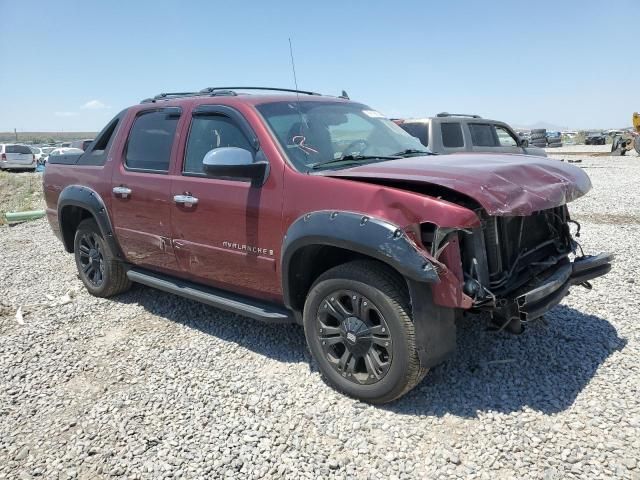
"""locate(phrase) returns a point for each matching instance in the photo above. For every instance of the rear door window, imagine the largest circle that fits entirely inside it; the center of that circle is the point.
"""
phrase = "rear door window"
(151, 139)
(452, 135)
(418, 130)
(483, 135)
(18, 149)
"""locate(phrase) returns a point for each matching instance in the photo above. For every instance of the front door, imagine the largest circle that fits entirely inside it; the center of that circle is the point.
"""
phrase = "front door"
(226, 232)
(141, 190)
(508, 141)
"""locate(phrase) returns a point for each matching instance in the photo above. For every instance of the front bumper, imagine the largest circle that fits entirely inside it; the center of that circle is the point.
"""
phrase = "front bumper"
(548, 290)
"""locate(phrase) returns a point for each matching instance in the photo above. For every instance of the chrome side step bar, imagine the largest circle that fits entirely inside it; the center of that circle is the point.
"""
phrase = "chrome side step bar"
(224, 300)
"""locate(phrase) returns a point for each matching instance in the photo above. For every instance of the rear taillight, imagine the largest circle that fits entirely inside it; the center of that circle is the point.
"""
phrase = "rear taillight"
(33, 157)
(4, 156)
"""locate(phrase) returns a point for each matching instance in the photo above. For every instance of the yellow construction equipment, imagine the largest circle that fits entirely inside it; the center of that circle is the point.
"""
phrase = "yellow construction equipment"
(623, 143)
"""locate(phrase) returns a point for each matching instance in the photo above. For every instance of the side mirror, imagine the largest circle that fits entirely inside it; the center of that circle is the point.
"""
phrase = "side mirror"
(236, 162)
(523, 142)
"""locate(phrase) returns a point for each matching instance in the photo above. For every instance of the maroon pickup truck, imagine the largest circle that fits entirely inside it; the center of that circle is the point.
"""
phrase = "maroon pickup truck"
(318, 210)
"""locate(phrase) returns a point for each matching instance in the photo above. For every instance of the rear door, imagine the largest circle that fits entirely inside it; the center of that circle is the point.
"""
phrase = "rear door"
(19, 155)
(141, 189)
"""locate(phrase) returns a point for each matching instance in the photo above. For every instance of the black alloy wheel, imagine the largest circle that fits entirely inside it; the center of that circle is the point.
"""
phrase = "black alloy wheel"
(355, 337)
(91, 259)
(102, 274)
(358, 326)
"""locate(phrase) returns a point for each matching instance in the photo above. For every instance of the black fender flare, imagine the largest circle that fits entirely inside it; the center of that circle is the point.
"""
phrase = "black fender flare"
(360, 233)
(87, 199)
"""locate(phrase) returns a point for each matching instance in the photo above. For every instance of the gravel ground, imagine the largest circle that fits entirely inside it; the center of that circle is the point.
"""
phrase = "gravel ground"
(148, 385)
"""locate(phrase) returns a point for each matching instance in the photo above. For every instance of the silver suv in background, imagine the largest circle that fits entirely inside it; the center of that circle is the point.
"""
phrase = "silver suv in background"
(452, 133)
(16, 156)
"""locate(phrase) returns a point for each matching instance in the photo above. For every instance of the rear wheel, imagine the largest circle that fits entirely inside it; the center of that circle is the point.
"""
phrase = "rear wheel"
(102, 275)
(358, 327)
(636, 144)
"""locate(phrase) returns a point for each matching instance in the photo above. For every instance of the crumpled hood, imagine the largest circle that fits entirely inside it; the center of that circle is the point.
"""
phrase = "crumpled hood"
(502, 184)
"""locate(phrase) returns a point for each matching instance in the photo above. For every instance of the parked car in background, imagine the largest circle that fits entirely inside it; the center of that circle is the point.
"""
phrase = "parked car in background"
(595, 138)
(81, 144)
(47, 150)
(554, 139)
(37, 151)
(56, 152)
(16, 156)
(452, 133)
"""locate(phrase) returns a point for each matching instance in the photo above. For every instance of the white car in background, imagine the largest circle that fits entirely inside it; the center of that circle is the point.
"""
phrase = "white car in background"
(37, 151)
(16, 156)
(64, 151)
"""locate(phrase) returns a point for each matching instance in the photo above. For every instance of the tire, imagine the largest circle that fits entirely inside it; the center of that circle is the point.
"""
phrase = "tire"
(636, 144)
(102, 275)
(347, 307)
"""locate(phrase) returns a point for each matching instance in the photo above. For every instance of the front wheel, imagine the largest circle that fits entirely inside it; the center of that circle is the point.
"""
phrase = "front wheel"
(102, 275)
(358, 326)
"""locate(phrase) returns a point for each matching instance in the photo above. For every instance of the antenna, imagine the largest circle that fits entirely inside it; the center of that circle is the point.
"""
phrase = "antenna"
(295, 81)
(293, 65)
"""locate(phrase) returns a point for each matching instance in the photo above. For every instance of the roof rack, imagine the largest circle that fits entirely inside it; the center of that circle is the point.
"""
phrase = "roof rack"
(447, 114)
(219, 91)
(291, 90)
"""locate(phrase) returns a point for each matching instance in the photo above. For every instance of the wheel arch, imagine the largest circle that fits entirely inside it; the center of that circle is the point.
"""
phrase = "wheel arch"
(338, 237)
(75, 204)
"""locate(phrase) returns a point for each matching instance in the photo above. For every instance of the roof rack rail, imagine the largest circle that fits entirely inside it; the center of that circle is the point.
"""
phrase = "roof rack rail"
(169, 95)
(447, 114)
(215, 89)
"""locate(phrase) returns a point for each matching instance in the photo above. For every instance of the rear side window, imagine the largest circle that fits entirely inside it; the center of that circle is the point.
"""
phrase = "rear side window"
(105, 137)
(482, 135)
(209, 132)
(418, 130)
(451, 135)
(150, 141)
(97, 155)
(18, 149)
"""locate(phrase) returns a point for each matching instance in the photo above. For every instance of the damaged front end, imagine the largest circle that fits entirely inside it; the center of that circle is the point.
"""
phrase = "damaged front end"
(518, 267)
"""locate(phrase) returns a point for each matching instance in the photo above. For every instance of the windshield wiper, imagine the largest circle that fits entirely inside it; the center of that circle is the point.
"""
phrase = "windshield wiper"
(355, 158)
(413, 151)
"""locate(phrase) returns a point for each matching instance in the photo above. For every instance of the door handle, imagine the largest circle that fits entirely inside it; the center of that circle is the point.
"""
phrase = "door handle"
(124, 192)
(186, 200)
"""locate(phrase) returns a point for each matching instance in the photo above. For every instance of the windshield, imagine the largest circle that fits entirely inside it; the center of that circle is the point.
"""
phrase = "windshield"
(313, 133)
